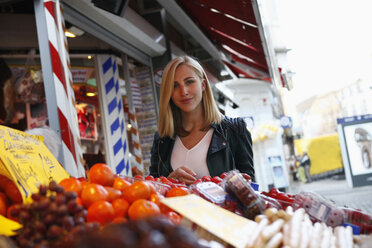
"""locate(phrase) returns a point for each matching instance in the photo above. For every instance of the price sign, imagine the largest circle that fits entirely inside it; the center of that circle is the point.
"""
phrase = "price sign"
(27, 161)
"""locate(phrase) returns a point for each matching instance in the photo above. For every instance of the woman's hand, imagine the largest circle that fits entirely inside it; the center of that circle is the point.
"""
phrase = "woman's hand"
(183, 174)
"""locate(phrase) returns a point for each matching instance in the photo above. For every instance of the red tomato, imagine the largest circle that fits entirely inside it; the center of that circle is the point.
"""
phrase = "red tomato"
(3, 181)
(197, 181)
(120, 183)
(118, 220)
(174, 217)
(71, 184)
(206, 178)
(102, 174)
(93, 193)
(10, 209)
(155, 198)
(178, 191)
(138, 190)
(2, 206)
(223, 175)
(142, 209)
(216, 179)
(101, 212)
(150, 178)
(139, 177)
(121, 207)
(113, 193)
(12, 192)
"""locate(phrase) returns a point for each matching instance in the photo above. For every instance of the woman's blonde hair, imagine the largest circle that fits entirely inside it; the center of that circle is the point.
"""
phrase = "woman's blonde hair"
(170, 118)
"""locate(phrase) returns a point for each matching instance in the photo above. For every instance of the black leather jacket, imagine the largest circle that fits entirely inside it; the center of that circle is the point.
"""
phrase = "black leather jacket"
(230, 148)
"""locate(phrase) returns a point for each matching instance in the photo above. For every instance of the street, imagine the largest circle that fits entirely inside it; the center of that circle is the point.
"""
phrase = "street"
(339, 192)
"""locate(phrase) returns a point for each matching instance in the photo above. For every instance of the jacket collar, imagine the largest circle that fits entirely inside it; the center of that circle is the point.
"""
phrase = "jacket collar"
(218, 141)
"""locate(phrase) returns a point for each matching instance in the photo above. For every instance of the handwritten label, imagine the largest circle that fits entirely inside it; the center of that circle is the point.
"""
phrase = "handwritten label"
(27, 161)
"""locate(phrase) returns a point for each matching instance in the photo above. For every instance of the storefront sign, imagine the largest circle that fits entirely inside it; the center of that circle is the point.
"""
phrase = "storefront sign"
(27, 161)
(81, 75)
(355, 136)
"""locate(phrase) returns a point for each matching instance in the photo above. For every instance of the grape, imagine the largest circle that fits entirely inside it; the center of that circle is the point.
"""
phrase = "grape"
(40, 227)
(24, 216)
(60, 199)
(72, 206)
(36, 196)
(70, 195)
(44, 203)
(62, 210)
(54, 231)
(51, 219)
(43, 190)
(68, 222)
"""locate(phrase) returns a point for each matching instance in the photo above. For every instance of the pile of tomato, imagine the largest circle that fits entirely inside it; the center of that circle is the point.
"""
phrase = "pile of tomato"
(111, 198)
(9, 195)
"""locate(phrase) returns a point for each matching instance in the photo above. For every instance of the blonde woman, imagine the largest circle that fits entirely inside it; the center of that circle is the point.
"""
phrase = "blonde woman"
(194, 139)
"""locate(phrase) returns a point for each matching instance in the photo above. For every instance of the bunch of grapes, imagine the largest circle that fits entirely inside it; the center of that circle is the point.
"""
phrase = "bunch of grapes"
(152, 232)
(53, 219)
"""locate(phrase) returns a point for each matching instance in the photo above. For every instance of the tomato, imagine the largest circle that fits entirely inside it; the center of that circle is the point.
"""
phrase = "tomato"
(93, 193)
(206, 178)
(216, 179)
(120, 183)
(165, 180)
(13, 192)
(4, 198)
(121, 207)
(102, 174)
(178, 191)
(71, 184)
(150, 178)
(223, 175)
(3, 181)
(10, 209)
(79, 201)
(138, 190)
(113, 193)
(101, 212)
(152, 187)
(174, 217)
(173, 180)
(3, 206)
(118, 220)
(142, 209)
(155, 198)
(139, 177)
(197, 181)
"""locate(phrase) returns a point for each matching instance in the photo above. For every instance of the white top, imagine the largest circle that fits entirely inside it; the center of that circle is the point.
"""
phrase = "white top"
(195, 158)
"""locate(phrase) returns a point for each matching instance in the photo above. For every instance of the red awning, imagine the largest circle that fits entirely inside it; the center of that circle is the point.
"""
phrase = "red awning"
(232, 26)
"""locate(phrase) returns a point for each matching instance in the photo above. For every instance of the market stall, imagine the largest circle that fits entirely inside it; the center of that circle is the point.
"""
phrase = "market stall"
(41, 205)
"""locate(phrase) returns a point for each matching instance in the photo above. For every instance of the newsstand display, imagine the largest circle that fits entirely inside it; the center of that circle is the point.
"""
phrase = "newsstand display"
(45, 207)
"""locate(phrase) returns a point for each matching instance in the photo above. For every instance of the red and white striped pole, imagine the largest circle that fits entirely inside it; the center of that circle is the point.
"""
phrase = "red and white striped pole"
(58, 84)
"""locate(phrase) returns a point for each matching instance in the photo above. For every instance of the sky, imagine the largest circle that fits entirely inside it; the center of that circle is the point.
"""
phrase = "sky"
(330, 42)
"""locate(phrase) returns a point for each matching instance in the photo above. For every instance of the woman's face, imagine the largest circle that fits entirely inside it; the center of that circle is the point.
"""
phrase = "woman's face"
(188, 89)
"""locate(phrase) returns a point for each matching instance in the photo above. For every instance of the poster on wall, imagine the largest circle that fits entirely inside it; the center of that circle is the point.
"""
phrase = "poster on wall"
(355, 135)
(87, 121)
(279, 175)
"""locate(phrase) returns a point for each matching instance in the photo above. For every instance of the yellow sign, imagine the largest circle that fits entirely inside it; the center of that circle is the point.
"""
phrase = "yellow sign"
(27, 161)
(225, 225)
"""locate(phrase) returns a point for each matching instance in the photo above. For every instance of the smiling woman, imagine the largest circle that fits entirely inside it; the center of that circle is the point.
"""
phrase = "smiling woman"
(194, 139)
